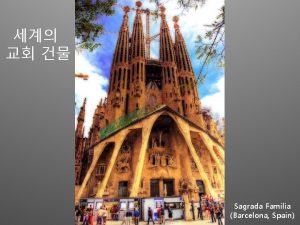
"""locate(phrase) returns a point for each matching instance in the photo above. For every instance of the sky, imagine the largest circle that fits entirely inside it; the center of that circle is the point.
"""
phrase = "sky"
(97, 63)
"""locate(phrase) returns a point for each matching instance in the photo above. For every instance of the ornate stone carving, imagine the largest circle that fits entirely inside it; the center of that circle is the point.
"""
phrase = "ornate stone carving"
(123, 163)
(161, 159)
(116, 99)
(194, 166)
(186, 186)
(137, 89)
(176, 94)
(109, 189)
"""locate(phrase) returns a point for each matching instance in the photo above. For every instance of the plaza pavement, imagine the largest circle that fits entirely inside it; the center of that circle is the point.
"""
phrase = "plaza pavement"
(175, 222)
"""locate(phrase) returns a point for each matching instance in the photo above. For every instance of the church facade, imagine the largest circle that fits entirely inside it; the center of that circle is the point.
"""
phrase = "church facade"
(150, 137)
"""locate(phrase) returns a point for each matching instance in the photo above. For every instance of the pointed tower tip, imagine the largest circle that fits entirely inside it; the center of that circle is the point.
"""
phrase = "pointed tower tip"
(162, 9)
(175, 20)
(138, 4)
(84, 101)
(126, 9)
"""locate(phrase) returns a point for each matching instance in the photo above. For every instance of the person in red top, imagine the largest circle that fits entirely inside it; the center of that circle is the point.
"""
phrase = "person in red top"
(91, 217)
(159, 215)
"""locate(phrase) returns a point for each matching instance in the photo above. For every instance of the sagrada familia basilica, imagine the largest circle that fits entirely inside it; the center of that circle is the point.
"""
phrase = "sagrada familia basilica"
(150, 137)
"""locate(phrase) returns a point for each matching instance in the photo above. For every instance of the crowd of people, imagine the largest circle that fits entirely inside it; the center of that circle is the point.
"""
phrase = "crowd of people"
(86, 215)
(211, 209)
(160, 215)
(207, 209)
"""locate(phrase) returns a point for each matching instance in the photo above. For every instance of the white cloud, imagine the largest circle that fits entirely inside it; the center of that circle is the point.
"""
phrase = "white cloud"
(191, 23)
(92, 89)
(216, 101)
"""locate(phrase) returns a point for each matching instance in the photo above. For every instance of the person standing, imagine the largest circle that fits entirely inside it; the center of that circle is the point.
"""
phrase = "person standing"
(91, 217)
(150, 216)
(212, 213)
(207, 210)
(77, 214)
(222, 210)
(104, 215)
(136, 216)
(158, 215)
(162, 215)
(200, 212)
(85, 220)
(99, 216)
(128, 217)
(170, 214)
(218, 214)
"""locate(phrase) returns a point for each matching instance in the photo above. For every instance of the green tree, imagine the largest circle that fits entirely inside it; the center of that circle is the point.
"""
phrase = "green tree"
(87, 29)
(210, 46)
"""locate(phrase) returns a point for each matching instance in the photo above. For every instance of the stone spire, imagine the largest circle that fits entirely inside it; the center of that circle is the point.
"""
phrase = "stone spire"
(80, 122)
(137, 53)
(170, 93)
(186, 78)
(79, 137)
(182, 57)
(119, 71)
(98, 121)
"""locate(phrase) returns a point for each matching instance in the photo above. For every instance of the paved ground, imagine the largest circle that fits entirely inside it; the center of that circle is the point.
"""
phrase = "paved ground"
(176, 222)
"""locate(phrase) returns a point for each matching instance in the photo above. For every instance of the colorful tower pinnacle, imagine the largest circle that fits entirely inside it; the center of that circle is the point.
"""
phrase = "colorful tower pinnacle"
(80, 123)
(186, 78)
(137, 52)
(79, 139)
(119, 71)
(170, 93)
(98, 121)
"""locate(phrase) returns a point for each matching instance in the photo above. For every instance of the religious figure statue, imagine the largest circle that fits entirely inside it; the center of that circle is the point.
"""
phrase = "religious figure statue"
(109, 190)
(160, 138)
(163, 160)
(185, 186)
(123, 165)
(137, 89)
(116, 99)
(157, 159)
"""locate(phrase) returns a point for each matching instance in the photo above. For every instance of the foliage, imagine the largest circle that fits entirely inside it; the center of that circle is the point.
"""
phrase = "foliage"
(87, 29)
(213, 50)
(184, 4)
(210, 46)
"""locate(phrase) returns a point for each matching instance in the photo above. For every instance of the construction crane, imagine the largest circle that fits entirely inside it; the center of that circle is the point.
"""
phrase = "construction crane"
(148, 13)
(82, 76)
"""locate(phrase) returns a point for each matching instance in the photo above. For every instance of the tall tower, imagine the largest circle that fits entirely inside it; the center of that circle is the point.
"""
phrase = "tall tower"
(186, 78)
(170, 93)
(98, 121)
(79, 141)
(80, 123)
(137, 57)
(119, 75)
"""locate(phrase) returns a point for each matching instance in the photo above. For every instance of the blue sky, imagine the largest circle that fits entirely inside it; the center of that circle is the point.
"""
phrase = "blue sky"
(97, 64)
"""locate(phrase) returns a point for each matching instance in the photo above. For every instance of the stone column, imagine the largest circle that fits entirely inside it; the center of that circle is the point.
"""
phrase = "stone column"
(187, 207)
(207, 141)
(185, 130)
(97, 153)
(119, 141)
(209, 145)
(147, 126)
